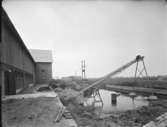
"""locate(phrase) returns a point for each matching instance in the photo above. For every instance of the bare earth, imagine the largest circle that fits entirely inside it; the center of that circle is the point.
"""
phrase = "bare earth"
(32, 112)
(42, 112)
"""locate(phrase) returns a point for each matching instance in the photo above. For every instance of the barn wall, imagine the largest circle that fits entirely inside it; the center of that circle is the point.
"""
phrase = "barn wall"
(43, 72)
(17, 65)
(14, 53)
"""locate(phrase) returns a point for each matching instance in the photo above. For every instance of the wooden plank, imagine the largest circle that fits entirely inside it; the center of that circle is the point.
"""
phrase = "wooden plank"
(60, 114)
(160, 121)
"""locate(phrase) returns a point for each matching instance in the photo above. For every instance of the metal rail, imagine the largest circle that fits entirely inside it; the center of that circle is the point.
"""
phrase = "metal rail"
(137, 59)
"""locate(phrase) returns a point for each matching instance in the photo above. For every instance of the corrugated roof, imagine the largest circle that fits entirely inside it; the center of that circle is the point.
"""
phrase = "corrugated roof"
(41, 55)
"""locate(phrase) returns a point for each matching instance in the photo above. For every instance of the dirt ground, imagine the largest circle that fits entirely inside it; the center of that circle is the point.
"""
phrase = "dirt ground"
(41, 112)
(31, 112)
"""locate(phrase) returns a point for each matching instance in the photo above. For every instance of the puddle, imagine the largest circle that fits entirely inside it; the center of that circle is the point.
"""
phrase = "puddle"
(44, 89)
(119, 102)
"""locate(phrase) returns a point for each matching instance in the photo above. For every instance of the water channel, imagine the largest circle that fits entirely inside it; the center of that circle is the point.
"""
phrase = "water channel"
(121, 101)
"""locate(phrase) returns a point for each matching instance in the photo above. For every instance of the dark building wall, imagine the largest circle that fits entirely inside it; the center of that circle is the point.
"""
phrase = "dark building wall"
(43, 72)
(17, 65)
(14, 53)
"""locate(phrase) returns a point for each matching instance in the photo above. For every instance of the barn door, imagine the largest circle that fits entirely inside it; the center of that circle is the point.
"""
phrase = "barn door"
(10, 88)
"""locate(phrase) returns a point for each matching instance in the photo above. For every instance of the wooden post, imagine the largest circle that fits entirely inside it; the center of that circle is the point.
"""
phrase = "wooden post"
(2, 83)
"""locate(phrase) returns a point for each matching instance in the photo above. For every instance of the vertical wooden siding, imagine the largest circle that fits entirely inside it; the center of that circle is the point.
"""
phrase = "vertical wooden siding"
(14, 53)
(16, 58)
(43, 72)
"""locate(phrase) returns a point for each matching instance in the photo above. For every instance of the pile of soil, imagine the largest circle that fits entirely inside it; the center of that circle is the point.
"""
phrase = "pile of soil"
(70, 96)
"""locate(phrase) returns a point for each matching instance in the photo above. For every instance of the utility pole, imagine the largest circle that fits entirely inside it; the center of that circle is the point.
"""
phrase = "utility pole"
(83, 69)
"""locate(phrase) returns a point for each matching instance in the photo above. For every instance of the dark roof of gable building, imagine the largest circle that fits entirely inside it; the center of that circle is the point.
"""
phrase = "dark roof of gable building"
(6, 21)
(41, 55)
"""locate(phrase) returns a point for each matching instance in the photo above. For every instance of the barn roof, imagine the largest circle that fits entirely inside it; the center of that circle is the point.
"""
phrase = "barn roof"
(41, 55)
(6, 21)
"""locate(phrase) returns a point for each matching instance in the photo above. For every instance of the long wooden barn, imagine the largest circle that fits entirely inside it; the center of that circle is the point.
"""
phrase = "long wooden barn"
(17, 68)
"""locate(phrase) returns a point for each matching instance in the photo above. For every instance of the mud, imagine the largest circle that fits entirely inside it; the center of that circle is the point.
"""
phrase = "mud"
(89, 117)
(131, 118)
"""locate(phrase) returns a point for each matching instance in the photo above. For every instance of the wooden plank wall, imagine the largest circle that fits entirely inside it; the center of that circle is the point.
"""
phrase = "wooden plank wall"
(16, 58)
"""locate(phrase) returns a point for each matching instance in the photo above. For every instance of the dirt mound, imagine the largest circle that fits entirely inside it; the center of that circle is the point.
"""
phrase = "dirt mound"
(70, 96)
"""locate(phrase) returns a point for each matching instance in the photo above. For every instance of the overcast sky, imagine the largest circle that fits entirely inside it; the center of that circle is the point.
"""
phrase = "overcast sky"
(105, 34)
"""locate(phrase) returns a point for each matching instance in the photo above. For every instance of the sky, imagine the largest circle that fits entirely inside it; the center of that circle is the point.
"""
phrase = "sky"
(106, 34)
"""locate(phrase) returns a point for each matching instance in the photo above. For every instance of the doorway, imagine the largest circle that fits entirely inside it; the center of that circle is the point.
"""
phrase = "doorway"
(10, 88)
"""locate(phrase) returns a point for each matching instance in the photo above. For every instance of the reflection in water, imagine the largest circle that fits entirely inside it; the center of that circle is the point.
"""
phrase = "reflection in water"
(113, 101)
(123, 102)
